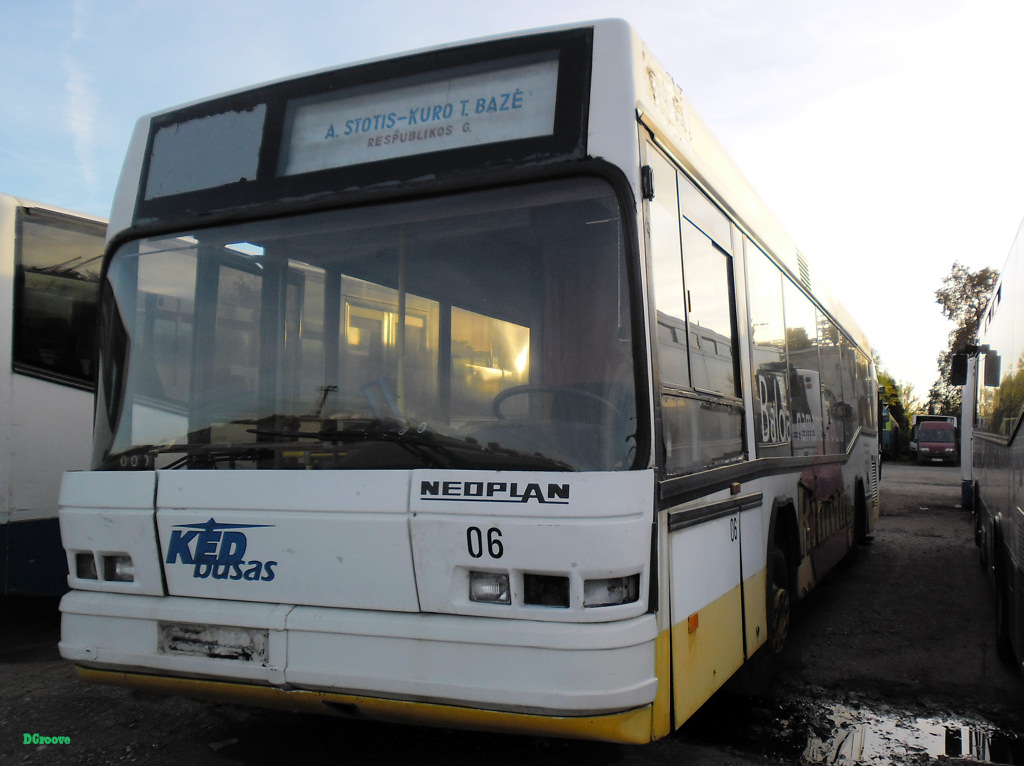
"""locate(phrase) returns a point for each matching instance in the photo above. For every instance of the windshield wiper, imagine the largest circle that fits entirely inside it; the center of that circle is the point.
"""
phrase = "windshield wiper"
(420, 441)
(373, 429)
(411, 439)
(429, 448)
(437, 450)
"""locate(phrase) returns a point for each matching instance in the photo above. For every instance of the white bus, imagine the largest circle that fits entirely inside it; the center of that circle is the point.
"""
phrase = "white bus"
(995, 389)
(49, 276)
(472, 387)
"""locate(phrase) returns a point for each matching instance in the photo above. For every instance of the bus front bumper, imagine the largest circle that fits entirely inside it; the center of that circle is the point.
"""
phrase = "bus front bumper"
(588, 680)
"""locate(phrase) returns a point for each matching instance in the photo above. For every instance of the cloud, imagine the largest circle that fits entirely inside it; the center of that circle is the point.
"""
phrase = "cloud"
(82, 101)
(80, 15)
(81, 116)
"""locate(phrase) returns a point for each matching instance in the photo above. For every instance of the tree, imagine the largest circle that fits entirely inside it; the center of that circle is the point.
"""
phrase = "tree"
(899, 397)
(962, 299)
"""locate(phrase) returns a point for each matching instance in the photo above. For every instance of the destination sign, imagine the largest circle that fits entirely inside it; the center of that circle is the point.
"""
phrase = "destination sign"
(502, 104)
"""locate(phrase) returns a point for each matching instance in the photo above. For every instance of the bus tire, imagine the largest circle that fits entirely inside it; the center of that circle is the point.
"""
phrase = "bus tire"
(780, 603)
(860, 517)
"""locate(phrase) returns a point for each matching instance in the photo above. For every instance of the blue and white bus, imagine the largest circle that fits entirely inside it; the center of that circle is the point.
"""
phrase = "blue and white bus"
(49, 278)
(472, 386)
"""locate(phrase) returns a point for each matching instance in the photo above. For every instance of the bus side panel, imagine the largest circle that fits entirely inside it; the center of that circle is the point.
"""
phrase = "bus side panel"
(7, 212)
(753, 530)
(38, 460)
(707, 611)
(34, 558)
(1015, 577)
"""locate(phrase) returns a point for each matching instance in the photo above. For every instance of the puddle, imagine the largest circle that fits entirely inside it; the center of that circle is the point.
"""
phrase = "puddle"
(830, 732)
(864, 737)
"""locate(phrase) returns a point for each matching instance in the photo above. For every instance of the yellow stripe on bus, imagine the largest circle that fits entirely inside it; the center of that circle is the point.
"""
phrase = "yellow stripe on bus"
(629, 727)
(754, 595)
(662, 714)
(707, 648)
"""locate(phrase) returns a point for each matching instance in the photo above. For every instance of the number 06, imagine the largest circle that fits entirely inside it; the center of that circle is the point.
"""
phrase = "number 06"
(475, 542)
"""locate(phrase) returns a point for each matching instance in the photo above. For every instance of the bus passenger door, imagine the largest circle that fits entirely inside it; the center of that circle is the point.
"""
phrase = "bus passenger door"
(706, 602)
(702, 416)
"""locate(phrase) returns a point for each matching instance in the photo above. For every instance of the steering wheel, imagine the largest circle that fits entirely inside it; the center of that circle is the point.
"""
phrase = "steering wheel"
(508, 393)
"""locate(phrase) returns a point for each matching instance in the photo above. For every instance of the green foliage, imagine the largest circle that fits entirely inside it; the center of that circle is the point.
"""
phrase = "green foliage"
(963, 300)
(892, 397)
(902, 404)
(797, 339)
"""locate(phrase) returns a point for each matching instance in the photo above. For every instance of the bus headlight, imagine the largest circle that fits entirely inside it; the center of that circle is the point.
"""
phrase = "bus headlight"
(489, 588)
(611, 592)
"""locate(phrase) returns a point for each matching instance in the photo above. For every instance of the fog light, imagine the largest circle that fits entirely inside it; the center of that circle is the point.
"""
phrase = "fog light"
(85, 567)
(546, 590)
(118, 568)
(489, 588)
(616, 590)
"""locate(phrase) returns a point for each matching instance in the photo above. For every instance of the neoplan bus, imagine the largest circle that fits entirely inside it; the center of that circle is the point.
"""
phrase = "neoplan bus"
(472, 387)
(995, 387)
(49, 277)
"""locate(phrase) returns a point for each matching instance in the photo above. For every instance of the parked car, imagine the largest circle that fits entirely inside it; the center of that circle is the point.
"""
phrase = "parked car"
(936, 443)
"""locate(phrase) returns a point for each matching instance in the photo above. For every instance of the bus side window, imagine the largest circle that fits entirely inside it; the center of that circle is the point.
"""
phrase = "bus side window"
(867, 396)
(692, 285)
(804, 378)
(851, 390)
(708, 274)
(832, 401)
(56, 289)
(772, 415)
(667, 282)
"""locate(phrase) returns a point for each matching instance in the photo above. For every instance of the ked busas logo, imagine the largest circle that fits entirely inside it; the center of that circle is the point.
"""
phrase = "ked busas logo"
(218, 551)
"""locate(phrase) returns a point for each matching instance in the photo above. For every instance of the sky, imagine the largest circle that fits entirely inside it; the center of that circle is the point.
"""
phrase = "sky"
(886, 135)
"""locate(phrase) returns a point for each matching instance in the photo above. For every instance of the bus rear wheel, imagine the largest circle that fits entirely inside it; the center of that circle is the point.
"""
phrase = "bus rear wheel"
(780, 603)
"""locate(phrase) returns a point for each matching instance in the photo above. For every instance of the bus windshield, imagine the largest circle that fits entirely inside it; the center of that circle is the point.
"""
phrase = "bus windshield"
(489, 329)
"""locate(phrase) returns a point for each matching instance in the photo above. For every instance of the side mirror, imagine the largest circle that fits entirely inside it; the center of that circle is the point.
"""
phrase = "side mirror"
(958, 370)
(992, 365)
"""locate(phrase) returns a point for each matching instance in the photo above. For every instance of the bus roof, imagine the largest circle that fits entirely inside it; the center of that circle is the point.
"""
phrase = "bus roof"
(16, 201)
